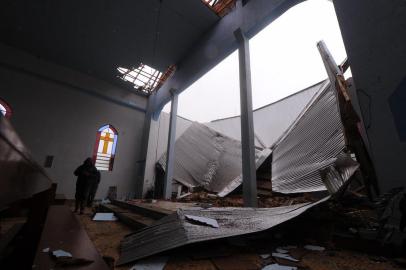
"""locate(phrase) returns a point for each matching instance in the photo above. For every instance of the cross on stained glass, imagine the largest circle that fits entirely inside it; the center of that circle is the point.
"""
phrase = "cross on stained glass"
(106, 139)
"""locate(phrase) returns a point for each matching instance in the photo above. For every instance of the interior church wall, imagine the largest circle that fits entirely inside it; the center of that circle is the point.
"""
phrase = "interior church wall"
(373, 34)
(57, 111)
(158, 143)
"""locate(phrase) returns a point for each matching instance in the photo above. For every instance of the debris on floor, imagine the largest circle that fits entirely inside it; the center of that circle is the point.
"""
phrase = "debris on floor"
(314, 248)
(254, 250)
(61, 254)
(153, 263)
(172, 231)
(284, 256)
(104, 217)
(276, 266)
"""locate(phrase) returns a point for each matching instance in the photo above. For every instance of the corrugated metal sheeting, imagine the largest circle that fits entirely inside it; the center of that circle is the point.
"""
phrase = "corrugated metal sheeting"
(175, 230)
(206, 158)
(310, 145)
(270, 121)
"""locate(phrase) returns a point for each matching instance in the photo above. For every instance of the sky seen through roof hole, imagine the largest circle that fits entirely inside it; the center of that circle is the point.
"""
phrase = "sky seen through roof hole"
(284, 60)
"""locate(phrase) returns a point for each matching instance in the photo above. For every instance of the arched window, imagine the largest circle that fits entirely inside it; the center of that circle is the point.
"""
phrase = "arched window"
(5, 108)
(105, 148)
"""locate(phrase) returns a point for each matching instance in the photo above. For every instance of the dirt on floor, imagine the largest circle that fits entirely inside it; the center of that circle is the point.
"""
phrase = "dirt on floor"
(229, 254)
(236, 200)
(106, 235)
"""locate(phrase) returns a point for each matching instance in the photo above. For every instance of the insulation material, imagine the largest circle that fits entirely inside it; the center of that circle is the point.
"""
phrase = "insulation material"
(205, 158)
(313, 143)
(175, 231)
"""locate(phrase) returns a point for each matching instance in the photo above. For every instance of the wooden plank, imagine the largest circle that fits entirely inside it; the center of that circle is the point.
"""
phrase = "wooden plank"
(62, 230)
(133, 220)
(148, 210)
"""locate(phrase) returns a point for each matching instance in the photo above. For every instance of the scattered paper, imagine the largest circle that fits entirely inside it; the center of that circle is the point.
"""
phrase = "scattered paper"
(45, 250)
(104, 217)
(204, 220)
(314, 248)
(154, 263)
(105, 201)
(265, 256)
(284, 256)
(281, 250)
(61, 253)
(278, 267)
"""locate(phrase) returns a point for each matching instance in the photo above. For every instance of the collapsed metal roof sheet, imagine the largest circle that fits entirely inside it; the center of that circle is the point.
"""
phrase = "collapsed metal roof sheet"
(270, 121)
(176, 230)
(206, 158)
(311, 144)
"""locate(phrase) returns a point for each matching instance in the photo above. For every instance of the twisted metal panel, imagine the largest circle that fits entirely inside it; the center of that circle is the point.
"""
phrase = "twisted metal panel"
(312, 144)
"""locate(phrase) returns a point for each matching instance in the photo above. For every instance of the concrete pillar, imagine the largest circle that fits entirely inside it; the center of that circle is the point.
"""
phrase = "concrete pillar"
(247, 122)
(170, 152)
(141, 163)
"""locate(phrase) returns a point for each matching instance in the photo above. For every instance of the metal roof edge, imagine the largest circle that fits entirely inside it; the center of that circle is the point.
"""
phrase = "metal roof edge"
(273, 103)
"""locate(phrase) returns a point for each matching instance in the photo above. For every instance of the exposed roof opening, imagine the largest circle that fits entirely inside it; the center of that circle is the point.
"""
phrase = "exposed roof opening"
(221, 7)
(145, 78)
(279, 54)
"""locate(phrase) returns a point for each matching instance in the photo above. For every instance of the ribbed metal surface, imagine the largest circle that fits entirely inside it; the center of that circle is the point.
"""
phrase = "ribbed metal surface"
(270, 121)
(312, 144)
(335, 177)
(175, 231)
(205, 158)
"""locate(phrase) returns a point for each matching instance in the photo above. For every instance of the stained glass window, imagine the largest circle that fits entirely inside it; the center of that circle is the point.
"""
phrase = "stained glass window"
(5, 109)
(105, 148)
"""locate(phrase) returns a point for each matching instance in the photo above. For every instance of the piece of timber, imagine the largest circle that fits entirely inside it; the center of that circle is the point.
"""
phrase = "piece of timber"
(62, 230)
(8, 235)
(128, 217)
(147, 210)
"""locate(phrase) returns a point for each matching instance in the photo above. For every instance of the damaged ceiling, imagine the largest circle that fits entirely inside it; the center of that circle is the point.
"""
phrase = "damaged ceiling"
(96, 37)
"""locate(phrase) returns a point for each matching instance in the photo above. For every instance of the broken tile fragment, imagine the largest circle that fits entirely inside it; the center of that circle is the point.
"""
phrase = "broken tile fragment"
(284, 256)
(314, 248)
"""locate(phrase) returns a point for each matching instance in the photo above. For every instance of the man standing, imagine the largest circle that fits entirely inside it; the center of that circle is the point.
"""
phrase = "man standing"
(85, 173)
